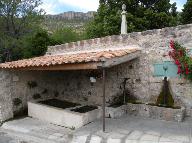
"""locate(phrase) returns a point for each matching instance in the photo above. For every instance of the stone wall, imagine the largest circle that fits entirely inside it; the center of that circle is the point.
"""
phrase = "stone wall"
(6, 107)
(18, 87)
(155, 47)
(21, 86)
(76, 86)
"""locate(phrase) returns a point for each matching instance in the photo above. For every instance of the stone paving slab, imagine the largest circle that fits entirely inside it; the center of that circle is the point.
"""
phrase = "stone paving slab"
(137, 130)
(6, 138)
(123, 130)
(95, 139)
(39, 131)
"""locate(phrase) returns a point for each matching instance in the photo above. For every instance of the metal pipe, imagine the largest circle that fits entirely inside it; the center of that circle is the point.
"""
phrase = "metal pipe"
(104, 99)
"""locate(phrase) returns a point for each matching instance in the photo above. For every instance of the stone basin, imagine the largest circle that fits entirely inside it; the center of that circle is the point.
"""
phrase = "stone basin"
(147, 111)
(62, 117)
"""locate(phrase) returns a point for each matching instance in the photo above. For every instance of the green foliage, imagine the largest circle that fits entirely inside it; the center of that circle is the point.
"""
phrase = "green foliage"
(106, 22)
(10, 48)
(65, 35)
(182, 59)
(18, 19)
(186, 15)
(174, 12)
(141, 15)
(36, 44)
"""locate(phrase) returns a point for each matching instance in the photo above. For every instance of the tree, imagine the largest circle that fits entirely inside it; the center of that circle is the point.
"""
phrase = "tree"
(65, 35)
(186, 15)
(174, 12)
(19, 15)
(175, 15)
(141, 15)
(106, 21)
(17, 19)
(36, 45)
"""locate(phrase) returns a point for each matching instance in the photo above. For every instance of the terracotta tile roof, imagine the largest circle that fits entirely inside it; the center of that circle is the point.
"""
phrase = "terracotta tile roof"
(86, 57)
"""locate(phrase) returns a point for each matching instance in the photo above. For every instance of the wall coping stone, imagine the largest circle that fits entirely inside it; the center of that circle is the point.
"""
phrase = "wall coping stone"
(114, 40)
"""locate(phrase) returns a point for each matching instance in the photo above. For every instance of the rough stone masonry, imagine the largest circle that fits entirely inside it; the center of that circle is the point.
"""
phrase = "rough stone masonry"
(18, 87)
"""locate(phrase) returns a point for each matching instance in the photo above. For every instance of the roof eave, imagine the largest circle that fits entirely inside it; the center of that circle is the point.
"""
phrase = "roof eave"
(62, 67)
(120, 60)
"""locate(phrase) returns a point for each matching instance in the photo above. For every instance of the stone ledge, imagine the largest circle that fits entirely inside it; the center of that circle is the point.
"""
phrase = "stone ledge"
(111, 112)
(147, 111)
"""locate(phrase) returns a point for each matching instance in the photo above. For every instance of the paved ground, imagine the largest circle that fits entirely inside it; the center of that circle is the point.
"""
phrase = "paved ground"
(35, 131)
(4, 138)
(123, 130)
(135, 130)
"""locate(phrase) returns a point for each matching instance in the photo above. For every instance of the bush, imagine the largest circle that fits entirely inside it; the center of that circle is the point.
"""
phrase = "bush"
(65, 35)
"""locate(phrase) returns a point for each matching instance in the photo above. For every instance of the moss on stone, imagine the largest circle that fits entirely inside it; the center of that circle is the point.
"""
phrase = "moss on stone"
(165, 97)
(126, 97)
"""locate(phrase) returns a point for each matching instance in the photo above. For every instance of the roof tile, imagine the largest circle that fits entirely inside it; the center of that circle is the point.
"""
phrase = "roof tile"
(67, 58)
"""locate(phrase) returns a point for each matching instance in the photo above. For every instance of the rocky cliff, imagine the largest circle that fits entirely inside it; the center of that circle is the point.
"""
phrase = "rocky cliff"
(75, 20)
(71, 15)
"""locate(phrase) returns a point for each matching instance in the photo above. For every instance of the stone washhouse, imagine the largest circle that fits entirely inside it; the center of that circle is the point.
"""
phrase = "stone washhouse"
(74, 72)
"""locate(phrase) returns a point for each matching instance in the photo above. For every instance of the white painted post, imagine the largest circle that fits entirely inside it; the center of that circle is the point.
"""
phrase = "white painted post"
(124, 20)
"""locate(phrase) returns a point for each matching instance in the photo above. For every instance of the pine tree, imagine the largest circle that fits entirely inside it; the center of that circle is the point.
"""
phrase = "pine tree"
(141, 15)
(186, 15)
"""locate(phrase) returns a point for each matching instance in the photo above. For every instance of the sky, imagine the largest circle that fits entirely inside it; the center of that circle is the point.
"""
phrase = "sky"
(59, 6)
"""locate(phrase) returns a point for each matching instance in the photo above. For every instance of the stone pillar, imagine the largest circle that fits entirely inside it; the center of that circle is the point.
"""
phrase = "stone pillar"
(124, 20)
(6, 106)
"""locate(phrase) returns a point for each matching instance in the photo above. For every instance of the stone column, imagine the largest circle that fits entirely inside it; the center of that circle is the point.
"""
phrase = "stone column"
(124, 20)
(6, 106)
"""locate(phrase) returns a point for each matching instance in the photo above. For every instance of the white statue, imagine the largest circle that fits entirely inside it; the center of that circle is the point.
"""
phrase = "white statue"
(124, 20)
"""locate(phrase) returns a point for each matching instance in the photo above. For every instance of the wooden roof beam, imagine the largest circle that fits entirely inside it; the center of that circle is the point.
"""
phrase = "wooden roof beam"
(119, 60)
